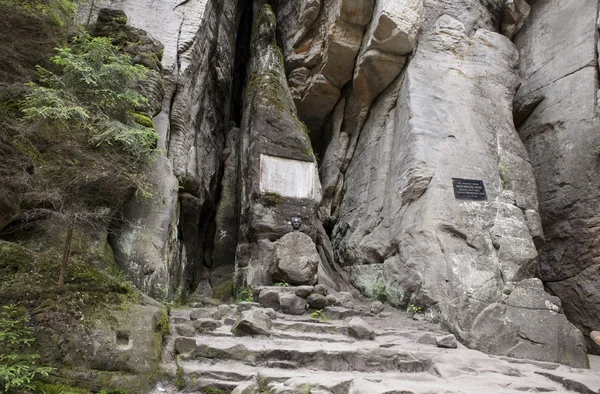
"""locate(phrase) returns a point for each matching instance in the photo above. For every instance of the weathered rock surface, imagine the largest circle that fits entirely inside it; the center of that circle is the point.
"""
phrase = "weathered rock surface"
(400, 229)
(322, 357)
(559, 69)
(273, 144)
(359, 329)
(292, 304)
(253, 322)
(295, 259)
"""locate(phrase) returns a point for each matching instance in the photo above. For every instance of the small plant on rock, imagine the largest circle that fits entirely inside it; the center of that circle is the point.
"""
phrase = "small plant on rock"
(282, 284)
(379, 293)
(413, 309)
(245, 294)
(318, 314)
(17, 369)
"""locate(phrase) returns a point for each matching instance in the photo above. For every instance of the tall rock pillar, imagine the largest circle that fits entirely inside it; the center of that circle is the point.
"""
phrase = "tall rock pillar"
(278, 170)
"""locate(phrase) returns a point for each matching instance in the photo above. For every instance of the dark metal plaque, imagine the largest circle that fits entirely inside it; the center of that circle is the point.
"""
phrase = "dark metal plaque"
(469, 189)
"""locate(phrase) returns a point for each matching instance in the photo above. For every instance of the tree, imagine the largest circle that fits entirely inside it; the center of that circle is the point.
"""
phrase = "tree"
(89, 151)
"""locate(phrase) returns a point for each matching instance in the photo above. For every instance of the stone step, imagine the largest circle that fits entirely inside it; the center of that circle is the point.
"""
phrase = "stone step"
(299, 380)
(312, 326)
(366, 356)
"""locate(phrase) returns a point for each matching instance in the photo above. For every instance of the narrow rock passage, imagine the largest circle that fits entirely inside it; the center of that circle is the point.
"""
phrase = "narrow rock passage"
(316, 353)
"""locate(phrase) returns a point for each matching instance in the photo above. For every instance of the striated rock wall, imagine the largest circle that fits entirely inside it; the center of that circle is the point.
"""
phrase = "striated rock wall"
(557, 118)
(274, 146)
(162, 243)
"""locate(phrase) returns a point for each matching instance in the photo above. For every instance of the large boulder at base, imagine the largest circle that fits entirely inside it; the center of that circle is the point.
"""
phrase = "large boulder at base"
(291, 304)
(295, 259)
(253, 322)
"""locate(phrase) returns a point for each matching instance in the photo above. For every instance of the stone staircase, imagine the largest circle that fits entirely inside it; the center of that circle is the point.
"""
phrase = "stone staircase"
(303, 354)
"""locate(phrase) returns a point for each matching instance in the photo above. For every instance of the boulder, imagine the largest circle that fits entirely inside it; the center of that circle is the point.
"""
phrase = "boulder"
(331, 299)
(203, 325)
(359, 329)
(253, 322)
(338, 313)
(595, 336)
(344, 300)
(205, 313)
(269, 298)
(446, 341)
(377, 307)
(304, 291)
(295, 259)
(184, 345)
(291, 304)
(246, 388)
(316, 301)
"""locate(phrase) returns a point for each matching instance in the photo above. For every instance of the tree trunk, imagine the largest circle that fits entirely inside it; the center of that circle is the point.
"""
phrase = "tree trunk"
(65, 260)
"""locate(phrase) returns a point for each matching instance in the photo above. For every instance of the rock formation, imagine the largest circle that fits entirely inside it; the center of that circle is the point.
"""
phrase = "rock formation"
(361, 118)
(557, 118)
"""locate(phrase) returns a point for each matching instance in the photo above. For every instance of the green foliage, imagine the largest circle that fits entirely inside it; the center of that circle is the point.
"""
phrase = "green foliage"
(58, 12)
(319, 314)
(115, 391)
(46, 388)
(413, 309)
(17, 369)
(379, 292)
(179, 380)
(215, 390)
(245, 294)
(95, 92)
(282, 284)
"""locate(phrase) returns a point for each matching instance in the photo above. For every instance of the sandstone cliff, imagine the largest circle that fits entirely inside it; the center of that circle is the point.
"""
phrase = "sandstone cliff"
(399, 98)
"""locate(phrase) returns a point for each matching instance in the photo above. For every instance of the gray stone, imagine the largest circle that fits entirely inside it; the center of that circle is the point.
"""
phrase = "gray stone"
(304, 291)
(229, 321)
(377, 307)
(205, 313)
(291, 304)
(184, 345)
(225, 310)
(316, 301)
(331, 299)
(268, 298)
(514, 16)
(595, 335)
(359, 329)
(446, 341)
(271, 313)
(345, 300)
(321, 289)
(185, 330)
(253, 322)
(203, 325)
(427, 339)
(295, 259)
(246, 306)
(338, 313)
(246, 388)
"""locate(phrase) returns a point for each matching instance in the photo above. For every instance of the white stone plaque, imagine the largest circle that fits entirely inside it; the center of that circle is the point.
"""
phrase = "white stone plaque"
(286, 177)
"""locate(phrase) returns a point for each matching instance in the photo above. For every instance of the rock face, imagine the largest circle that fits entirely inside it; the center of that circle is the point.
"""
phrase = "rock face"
(279, 172)
(400, 228)
(557, 109)
(401, 100)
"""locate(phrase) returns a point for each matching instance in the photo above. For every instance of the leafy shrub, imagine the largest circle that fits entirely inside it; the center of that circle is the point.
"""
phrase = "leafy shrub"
(94, 91)
(17, 370)
(318, 314)
(245, 294)
(413, 309)
(379, 292)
